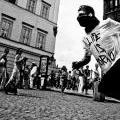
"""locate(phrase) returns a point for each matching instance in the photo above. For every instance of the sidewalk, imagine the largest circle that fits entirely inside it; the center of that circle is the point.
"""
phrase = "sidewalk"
(89, 95)
(74, 92)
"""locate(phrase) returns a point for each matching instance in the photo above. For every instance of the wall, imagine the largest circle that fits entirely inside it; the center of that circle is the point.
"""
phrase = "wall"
(25, 16)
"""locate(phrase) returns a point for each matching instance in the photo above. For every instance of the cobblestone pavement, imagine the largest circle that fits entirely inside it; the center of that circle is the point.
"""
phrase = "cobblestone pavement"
(49, 105)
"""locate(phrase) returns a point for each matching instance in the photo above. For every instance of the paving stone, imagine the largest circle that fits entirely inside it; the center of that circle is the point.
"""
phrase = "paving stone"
(50, 105)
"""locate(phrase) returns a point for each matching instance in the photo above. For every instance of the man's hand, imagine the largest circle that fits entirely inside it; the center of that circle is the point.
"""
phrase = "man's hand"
(75, 65)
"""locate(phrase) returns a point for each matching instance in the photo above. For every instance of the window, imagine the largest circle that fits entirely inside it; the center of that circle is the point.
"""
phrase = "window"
(111, 4)
(41, 39)
(25, 35)
(6, 27)
(45, 10)
(116, 3)
(11, 1)
(31, 5)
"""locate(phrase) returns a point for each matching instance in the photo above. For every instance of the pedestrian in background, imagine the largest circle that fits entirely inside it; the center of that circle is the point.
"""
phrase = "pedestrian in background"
(86, 79)
(64, 76)
(75, 78)
(69, 80)
(73, 73)
(3, 69)
(33, 74)
(26, 77)
(81, 80)
(57, 79)
(22, 73)
(96, 79)
(14, 80)
(52, 78)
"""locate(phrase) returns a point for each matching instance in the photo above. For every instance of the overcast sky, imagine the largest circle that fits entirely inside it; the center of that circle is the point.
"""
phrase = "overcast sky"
(69, 47)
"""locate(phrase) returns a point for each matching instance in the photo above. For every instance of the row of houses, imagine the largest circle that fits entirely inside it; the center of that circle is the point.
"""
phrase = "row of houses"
(30, 25)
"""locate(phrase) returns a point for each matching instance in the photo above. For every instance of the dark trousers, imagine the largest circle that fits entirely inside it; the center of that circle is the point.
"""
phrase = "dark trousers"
(110, 82)
(85, 86)
(64, 85)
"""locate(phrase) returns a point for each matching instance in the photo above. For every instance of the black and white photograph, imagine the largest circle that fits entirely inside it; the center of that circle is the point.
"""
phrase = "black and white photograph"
(59, 59)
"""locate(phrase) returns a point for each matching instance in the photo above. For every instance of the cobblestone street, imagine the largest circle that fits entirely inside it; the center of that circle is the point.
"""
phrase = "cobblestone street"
(50, 105)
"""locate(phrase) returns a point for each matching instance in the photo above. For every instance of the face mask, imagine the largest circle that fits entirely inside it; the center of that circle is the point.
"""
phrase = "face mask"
(84, 21)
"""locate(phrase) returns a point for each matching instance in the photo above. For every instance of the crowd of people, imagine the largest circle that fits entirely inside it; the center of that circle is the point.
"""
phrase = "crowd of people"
(23, 76)
(76, 80)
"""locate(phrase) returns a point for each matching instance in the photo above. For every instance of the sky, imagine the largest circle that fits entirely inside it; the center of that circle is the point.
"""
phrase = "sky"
(69, 46)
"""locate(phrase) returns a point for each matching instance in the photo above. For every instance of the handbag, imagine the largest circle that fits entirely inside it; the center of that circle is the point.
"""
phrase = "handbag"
(11, 87)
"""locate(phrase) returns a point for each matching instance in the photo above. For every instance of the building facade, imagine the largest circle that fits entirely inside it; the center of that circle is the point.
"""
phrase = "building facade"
(30, 25)
(112, 9)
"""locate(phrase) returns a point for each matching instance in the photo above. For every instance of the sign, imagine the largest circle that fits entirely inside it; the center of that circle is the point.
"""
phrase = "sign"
(43, 65)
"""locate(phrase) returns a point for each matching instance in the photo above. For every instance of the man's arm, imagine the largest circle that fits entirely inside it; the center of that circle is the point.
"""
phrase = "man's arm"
(85, 61)
(18, 59)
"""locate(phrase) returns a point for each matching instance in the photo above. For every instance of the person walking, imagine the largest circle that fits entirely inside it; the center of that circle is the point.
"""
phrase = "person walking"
(86, 79)
(64, 75)
(22, 73)
(33, 74)
(75, 78)
(52, 79)
(81, 80)
(25, 74)
(69, 80)
(96, 80)
(3, 69)
(13, 82)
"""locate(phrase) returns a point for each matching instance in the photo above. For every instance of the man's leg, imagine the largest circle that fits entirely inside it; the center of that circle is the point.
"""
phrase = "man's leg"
(97, 96)
(3, 82)
(11, 84)
(31, 82)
